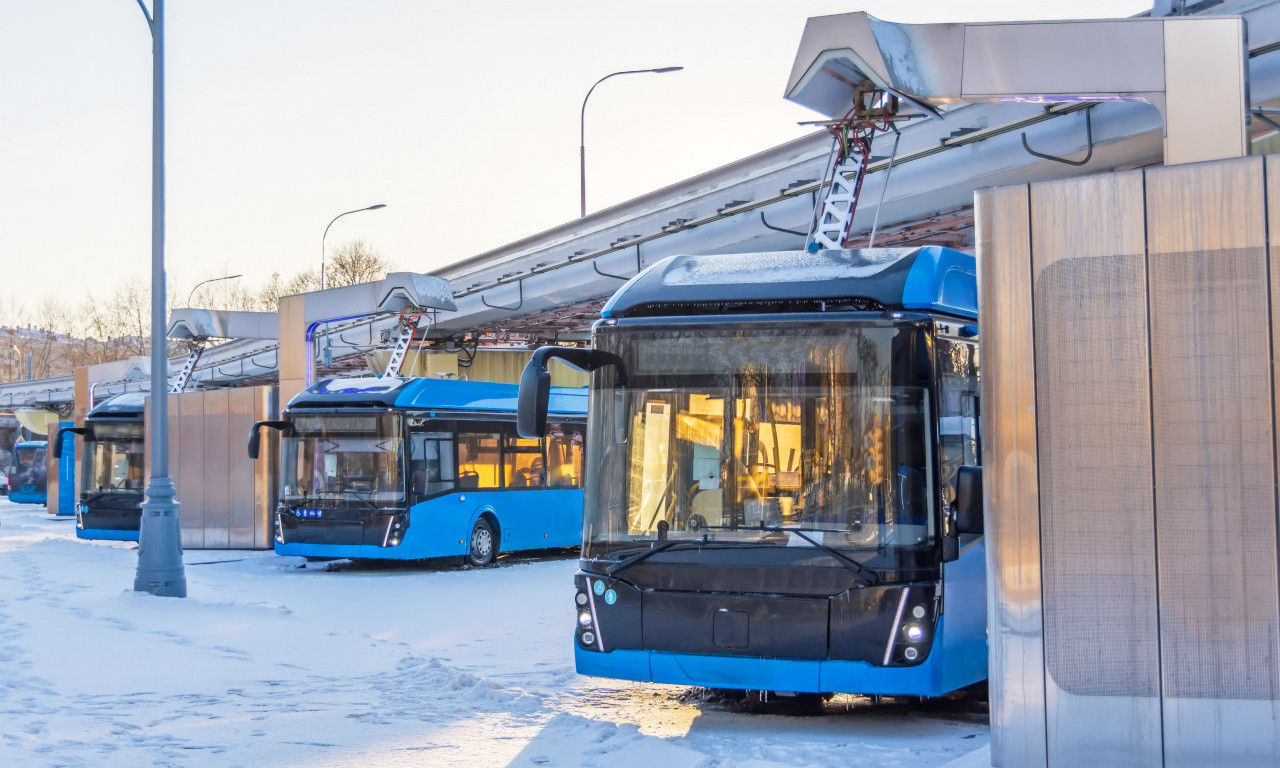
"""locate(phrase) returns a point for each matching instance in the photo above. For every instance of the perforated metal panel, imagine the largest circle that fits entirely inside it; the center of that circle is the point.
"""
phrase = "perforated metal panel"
(1155, 450)
(1097, 521)
(1214, 463)
(1015, 629)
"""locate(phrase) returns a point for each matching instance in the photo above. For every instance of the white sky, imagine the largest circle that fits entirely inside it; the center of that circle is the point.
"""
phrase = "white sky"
(462, 117)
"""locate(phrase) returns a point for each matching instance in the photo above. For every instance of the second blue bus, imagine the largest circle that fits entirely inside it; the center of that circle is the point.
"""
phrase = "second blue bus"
(410, 469)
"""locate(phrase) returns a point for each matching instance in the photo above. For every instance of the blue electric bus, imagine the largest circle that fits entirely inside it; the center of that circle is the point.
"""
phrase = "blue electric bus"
(29, 476)
(112, 482)
(409, 469)
(783, 491)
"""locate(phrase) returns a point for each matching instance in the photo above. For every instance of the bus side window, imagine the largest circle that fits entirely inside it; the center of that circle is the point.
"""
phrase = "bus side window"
(430, 463)
(478, 460)
(524, 465)
(564, 455)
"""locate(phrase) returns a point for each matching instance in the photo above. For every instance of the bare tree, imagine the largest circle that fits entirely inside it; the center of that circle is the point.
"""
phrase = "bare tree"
(356, 262)
(61, 337)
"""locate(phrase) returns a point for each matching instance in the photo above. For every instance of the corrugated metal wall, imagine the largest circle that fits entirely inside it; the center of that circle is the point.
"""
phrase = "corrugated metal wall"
(1128, 323)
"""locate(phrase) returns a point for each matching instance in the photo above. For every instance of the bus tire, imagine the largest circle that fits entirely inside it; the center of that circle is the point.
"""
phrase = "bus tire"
(483, 544)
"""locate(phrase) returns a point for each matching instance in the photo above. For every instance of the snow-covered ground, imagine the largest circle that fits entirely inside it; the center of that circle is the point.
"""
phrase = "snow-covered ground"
(274, 662)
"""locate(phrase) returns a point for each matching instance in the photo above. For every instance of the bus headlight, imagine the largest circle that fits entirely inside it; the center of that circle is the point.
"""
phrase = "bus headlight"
(584, 618)
(588, 638)
(914, 632)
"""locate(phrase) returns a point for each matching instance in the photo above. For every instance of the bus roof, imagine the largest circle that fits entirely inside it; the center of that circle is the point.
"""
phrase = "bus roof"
(929, 278)
(123, 405)
(423, 393)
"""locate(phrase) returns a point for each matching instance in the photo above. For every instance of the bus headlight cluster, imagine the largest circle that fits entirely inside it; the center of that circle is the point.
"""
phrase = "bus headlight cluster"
(912, 626)
(586, 620)
(397, 525)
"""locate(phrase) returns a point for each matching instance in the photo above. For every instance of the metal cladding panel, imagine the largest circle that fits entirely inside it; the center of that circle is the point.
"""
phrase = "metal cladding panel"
(1212, 404)
(216, 478)
(266, 470)
(1097, 516)
(241, 509)
(1010, 456)
(186, 455)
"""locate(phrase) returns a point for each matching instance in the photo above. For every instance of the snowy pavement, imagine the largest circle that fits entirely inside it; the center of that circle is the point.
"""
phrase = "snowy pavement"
(274, 662)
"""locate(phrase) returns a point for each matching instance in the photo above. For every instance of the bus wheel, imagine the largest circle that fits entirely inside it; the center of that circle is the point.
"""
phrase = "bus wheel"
(484, 544)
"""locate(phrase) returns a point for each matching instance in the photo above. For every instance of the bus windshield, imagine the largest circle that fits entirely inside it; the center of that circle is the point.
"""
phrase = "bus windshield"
(115, 458)
(343, 456)
(788, 435)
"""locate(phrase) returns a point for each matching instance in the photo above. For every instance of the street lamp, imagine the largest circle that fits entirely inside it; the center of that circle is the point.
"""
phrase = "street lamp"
(582, 124)
(210, 280)
(160, 569)
(326, 234)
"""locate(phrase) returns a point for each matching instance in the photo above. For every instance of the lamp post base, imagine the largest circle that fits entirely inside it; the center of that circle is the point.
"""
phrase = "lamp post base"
(160, 569)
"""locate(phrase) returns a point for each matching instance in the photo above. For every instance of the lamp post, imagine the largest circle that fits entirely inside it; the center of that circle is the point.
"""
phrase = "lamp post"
(326, 234)
(210, 280)
(582, 124)
(160, 569)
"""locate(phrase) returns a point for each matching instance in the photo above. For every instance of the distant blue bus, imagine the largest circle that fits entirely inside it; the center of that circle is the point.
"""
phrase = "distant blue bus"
(409, 469)
(112, 482)
(29, 478)
(784, 491)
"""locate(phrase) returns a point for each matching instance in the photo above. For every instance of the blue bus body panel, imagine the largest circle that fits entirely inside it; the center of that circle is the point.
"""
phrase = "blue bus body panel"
(958, 657)
(942, 280)
(108, 535)
(440, 527)
(965, 596)
(29, 497)
(67, 472)
(448, 395)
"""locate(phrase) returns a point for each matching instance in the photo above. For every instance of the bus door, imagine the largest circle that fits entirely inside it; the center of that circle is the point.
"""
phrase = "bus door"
(431, 470)
(564, 463)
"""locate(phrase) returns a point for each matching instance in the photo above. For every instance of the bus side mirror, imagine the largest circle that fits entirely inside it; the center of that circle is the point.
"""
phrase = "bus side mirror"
(968, 503)
(57, 444)
(255, 434)
(531, 403)
(535, 383)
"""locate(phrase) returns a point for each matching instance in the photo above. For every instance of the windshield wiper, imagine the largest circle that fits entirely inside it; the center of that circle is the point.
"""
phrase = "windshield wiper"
(304, 501)
(871, 575)
(645, 555)
(365, 499)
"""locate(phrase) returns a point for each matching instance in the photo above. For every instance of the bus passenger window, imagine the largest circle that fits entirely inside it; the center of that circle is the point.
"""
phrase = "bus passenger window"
(478, 465)
(564, 454)
(430, 463)
(524, 465)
